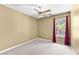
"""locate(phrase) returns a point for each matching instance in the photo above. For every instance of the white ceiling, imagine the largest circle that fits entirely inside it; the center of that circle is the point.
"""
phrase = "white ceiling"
(29, 9)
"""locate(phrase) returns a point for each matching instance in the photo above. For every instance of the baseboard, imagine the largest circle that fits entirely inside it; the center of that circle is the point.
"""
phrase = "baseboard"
(16, 46)
(43, 39)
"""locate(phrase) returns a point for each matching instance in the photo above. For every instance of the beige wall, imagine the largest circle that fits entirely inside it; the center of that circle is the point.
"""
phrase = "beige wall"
(15, 28)
(46, 27)
(75, 27)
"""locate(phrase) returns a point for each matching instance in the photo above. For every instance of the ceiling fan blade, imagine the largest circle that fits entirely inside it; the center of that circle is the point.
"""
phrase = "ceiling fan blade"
(46, 11)
(36, 10)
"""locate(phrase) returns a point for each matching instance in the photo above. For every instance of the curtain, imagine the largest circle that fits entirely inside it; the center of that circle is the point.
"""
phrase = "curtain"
(54, 35)
(67, 36)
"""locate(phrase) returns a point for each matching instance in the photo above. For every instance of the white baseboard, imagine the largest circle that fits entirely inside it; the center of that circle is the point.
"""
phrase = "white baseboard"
(44, 39)
(17, 46)
(21, 44)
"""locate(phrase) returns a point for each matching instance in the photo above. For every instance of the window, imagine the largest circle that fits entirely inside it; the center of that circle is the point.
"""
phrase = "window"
(60, 26)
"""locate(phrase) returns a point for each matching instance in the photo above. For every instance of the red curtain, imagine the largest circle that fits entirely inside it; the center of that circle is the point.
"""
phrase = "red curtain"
(54, 35)
(67, 36)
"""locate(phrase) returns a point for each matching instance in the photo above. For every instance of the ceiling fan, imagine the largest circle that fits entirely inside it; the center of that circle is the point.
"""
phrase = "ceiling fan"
(41, 13)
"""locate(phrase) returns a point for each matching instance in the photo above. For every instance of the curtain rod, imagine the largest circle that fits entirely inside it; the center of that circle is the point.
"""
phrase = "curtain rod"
(60, 13)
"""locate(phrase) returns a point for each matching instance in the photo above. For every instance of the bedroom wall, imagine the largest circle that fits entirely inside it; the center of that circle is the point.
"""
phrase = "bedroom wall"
(15, 28)
(46, 27)
(75, 27)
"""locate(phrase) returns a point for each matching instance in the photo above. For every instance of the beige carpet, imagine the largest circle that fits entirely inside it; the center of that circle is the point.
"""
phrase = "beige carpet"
(41, 47)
